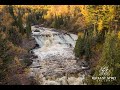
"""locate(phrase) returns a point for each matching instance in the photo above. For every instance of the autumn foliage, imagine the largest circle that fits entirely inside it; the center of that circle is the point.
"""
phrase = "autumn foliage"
(96, 26)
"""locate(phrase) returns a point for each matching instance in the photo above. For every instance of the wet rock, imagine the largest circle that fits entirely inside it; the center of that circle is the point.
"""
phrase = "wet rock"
(31, 51)
(34, 56)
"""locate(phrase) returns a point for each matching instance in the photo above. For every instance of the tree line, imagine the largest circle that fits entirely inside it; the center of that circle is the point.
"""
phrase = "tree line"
(97, 27)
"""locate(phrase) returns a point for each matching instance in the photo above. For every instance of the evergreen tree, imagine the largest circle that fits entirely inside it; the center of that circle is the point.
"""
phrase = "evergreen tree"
(10, 9)
(15, 36)
(61, 20)
(88, 35)
(107, 58)
(20, 23)
(79, 47)
(28, 26)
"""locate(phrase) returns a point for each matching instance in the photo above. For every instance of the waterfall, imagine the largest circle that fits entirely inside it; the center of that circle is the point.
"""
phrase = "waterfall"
(54, 45)
(74, 36)
(61, 36)
(55, 55)
(71, 37)
(58, 39)
(68, 40)
(38, 41)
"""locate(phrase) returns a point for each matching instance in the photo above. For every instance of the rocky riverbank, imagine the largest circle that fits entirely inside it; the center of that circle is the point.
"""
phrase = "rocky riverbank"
(57, 72)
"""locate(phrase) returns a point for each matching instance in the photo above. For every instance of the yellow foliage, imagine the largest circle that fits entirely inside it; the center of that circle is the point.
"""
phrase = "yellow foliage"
(3, 35)
(17, 61)
(85, 13)
(100, 25)
(80, 34)
(7, 20)
(119, 34)
(27, 70)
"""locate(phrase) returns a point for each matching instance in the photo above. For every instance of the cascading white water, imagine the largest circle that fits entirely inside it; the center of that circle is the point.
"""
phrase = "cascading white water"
(55, 55)
(68, 39)
(74, 37)
(54, 45)
(39, 41)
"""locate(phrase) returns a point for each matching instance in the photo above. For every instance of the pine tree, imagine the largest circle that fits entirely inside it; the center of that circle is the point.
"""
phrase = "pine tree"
(28, 26)
(20, 23)
(10, 8)
(107, 58)
(14, 36)
(79, 47)
(116, 72)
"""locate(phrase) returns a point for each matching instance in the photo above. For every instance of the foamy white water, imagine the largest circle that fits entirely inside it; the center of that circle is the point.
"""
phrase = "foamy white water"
(54, 45)
(55, 57)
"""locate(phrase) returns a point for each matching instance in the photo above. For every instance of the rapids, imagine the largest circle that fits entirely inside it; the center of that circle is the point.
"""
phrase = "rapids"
(55, 57)
(53, 45)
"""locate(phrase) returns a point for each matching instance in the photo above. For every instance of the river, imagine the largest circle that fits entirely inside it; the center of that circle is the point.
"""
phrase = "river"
(55, 54)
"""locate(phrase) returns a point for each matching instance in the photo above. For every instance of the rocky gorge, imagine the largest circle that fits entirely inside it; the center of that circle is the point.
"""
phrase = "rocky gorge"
(53, 60)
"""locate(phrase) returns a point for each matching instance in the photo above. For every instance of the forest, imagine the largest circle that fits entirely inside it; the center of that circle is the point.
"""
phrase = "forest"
(98, 43)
